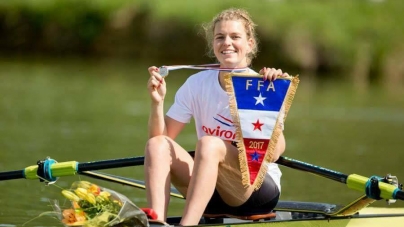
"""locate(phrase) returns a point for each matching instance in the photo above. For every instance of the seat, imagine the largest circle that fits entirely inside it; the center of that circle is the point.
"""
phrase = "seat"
(253, 217)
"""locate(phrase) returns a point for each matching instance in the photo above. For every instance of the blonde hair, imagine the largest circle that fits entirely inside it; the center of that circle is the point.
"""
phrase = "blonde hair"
(232, 14)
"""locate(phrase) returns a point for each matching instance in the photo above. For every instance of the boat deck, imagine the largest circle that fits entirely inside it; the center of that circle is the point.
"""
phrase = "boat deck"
(309, 214)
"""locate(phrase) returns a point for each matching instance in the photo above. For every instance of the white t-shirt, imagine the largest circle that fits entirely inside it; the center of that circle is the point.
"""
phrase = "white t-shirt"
(202, 98)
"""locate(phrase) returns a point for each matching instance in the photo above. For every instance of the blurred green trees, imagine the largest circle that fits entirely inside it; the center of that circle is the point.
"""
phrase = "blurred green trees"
(360, 40)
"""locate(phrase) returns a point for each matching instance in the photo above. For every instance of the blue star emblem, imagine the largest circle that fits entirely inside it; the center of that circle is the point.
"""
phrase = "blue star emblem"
(255, 156)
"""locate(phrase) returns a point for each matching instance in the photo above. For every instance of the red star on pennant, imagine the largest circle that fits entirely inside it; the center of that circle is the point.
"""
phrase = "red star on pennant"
(257, 125)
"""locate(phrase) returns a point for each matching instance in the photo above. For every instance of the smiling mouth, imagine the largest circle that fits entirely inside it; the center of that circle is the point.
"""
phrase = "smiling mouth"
(229, 52)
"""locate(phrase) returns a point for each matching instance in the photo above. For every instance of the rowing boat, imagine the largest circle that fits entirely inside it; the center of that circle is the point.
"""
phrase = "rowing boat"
(368, 217)
(358, 213)
(292, 213)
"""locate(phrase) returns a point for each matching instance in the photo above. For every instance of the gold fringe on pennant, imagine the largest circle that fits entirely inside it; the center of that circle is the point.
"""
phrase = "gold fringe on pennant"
(290, 94)
(242, 156)
(287, 102)
(275, 135)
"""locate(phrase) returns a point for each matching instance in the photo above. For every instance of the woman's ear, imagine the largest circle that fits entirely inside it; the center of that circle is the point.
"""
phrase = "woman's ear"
(251, 44)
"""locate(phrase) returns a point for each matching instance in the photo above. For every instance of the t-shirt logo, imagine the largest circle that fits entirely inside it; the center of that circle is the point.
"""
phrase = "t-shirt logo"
(218, 131)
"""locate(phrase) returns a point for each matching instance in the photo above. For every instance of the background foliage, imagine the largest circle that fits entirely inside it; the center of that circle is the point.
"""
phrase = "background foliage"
(359, 40)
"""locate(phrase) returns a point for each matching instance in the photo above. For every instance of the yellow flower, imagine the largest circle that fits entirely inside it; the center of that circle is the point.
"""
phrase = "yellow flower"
(91, 198)
(105, 194)
(70, 195)
(83, 194)
(84, 184)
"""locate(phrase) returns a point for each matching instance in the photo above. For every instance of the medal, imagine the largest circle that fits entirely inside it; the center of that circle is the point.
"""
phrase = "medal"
(163, 71)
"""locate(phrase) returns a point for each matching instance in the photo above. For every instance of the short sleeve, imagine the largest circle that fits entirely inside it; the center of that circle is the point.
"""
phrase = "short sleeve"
(181, 110)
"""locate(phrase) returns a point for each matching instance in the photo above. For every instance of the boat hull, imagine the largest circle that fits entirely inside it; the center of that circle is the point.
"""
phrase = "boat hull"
(368, 217)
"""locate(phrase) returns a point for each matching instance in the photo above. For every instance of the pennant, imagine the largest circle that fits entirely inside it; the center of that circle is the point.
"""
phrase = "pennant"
(258, 109)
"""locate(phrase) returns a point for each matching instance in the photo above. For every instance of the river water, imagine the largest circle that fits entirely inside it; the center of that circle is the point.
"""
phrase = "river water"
(87, 110)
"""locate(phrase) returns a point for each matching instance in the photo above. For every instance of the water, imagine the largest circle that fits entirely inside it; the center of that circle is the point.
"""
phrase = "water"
(88, 110)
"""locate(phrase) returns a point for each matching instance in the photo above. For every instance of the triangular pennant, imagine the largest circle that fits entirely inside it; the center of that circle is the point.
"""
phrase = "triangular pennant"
(258, 108)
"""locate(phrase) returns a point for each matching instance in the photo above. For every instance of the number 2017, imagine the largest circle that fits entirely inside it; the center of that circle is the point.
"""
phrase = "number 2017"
(256, 145)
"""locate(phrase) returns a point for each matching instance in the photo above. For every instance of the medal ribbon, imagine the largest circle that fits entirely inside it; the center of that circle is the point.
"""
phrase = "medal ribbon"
(164, 70)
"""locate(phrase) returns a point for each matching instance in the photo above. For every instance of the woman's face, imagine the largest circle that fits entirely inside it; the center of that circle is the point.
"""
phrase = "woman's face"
(230, 44)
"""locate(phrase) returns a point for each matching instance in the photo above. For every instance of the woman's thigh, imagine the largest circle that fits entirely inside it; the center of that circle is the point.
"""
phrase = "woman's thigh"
(229, 182)
(180, 161)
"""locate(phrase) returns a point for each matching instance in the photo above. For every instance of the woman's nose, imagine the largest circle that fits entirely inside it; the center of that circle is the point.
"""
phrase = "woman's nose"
(227, 40)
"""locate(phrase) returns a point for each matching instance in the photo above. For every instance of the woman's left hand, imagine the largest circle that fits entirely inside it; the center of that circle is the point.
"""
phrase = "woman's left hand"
(271, 73)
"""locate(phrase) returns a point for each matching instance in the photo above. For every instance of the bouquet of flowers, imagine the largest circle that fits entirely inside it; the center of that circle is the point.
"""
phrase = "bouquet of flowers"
(92, 205)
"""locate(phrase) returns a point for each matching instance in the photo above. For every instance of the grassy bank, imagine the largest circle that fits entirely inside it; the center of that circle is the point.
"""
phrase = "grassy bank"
(359, 40)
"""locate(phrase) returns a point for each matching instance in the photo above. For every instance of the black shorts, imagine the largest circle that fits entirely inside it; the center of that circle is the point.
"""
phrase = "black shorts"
(261, 201)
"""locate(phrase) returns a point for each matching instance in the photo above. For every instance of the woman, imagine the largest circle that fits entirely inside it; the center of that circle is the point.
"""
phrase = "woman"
(213, 176)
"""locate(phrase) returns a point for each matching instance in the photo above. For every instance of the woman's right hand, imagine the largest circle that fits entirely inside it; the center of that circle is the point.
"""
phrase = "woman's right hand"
(156, 85)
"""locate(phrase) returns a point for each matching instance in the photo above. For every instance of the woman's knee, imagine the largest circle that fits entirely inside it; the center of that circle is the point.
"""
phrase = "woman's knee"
(210, 147)
(157, 146)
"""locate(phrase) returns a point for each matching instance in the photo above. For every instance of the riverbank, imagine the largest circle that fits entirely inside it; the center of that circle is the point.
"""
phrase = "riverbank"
(355, 40)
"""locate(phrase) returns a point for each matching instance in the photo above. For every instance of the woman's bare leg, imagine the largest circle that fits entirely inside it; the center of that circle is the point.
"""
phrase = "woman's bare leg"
(229, 181)
(165, 161)
(211, 154)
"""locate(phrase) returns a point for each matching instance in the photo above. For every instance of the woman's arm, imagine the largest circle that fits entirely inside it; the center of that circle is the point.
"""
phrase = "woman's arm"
(159, 124)
(173, 127)
(157, 91)
(156, 123)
